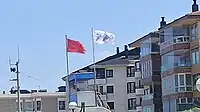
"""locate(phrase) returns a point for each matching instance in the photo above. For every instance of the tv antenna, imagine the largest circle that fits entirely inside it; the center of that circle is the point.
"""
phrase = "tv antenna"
(14, 67)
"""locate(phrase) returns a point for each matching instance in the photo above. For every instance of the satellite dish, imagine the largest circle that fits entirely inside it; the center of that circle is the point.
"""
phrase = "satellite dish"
(198, 84)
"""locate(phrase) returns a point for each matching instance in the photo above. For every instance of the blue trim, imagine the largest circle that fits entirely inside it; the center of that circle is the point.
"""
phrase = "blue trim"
(73, 97)
(81, 76)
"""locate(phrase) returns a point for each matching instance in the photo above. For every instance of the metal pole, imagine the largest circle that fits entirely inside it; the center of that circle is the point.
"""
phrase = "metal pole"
(94, 66)
(18, 87)
(67, 81)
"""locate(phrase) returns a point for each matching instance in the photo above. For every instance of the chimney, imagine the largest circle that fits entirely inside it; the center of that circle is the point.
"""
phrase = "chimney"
(195, 6)
(117, 50)
(163, 22)
(125, 48)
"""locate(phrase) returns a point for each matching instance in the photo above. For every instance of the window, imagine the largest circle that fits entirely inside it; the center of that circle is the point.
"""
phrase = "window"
(194, 31)
(109, 73)
(101, 89)
(132, 104)
(184, 104)
(130, 71)
(176, 80)
(131, 87)
(100, 73)
(181, 79)
(38, 105)
(183, 82)
(111, 105)
(28, 106)
(110, 89)
(188, 79)
(137, 65)
(195, 57)
(61, 105)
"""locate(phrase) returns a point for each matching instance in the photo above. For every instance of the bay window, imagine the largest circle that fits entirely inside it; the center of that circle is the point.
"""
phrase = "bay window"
(183, 82)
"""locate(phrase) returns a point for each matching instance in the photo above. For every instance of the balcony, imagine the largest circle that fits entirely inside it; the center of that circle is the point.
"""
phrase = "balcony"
(139, 91)
(98, 81)
(147, 97)
(138, 74)
(176, 65)
(175, 40)
(139, 108)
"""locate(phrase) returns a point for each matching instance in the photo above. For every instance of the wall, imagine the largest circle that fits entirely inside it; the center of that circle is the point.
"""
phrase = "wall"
(8, 105)
(49, 105)
(120, 94)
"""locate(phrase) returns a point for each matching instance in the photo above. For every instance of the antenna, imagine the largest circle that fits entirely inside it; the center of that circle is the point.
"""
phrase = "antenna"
(16, 70)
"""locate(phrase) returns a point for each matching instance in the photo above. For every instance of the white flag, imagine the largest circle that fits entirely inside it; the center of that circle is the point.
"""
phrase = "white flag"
(101, 37)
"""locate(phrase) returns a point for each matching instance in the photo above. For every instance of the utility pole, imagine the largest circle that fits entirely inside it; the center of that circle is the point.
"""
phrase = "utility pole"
(16, 70)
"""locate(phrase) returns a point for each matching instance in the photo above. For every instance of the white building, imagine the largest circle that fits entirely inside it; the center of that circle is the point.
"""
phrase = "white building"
(118, 80)
(34, 102)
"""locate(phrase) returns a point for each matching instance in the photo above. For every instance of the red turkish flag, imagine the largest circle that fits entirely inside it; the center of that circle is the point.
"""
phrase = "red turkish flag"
(74, 46)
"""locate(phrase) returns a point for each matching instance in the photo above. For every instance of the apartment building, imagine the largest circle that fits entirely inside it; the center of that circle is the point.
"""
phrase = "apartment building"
(179, 49)
(34, 102)
(118, 78)
(150, 63)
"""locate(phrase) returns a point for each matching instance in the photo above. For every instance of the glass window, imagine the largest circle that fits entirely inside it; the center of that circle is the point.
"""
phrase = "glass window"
(61, 105)
(183, 100)
(181, 77)
(110, 89)
(195, 57)
(38, 105)
(131, 87)
(176, 80)
(28, 106)
(132, 104)
(188, 79)
(111, 105)
(109, 73)
(130, 71)
(100, 73)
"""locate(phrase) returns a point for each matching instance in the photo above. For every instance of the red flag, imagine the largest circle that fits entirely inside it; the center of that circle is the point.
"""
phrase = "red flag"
(75, 46)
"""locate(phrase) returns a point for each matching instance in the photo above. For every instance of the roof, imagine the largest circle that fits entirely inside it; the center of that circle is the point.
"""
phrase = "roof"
(193, 15)
(133, 52)
(33, 95)
(138, 41)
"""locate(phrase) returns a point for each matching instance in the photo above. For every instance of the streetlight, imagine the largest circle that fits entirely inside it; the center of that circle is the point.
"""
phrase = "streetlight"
(73, 106)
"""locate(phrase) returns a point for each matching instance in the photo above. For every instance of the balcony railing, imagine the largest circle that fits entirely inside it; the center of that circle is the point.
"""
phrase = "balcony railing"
(139, 91)
(175, 65)
(138, 74)
(175, 40)
(147, 97)
(139, 108)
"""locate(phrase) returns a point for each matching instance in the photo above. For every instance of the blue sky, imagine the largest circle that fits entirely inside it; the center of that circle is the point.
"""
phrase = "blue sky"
(39, 26)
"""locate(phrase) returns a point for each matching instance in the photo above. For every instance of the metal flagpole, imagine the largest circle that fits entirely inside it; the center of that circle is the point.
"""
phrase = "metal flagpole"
(67, 81)
(94, 67)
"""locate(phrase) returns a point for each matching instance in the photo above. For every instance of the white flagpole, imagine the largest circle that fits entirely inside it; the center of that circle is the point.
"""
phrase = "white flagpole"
(67, 81)
(94, 67)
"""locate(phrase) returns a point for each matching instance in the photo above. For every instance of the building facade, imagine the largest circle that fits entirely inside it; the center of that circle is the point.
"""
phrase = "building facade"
(118, 79)
(34, 102)
(150, 63)
(179, 46)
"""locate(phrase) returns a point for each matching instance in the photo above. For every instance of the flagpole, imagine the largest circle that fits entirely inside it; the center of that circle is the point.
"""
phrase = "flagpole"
(67, 81)
(94, 67)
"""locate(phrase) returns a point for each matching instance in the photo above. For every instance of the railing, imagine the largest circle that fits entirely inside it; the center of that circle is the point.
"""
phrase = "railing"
(139, 91)
(175, 40)
(147, 97)
(138, 74)
(175, 65)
